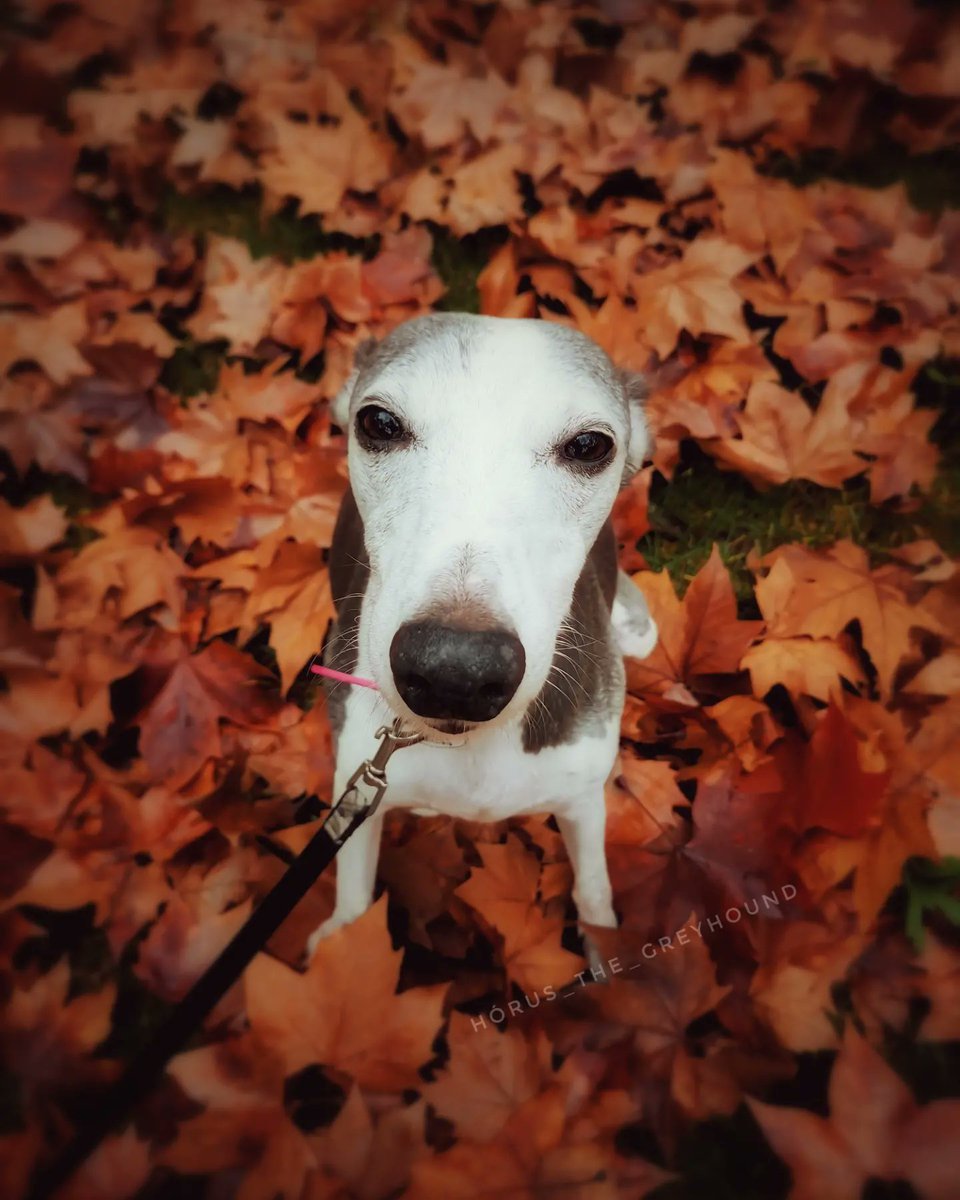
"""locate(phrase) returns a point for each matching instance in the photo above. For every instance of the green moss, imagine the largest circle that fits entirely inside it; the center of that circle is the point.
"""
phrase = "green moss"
(288, 236)
(194, 367)
(939, 513)
(703, 505)
(459, 261)
(71, 494)
(937, 386)
(66, 491)
(284, 234)
(932, 179)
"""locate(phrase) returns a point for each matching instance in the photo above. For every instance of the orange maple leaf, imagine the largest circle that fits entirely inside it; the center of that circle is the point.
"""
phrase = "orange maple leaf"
(489, 1075)
(240, 295)
(699, 636)
(344, 1012)
(804, 666)
(695, 294)
(293, 594)
(781, 438)
(819, 592)
(875, 1130)
(244, 1123)
(830, 787)
(48, 1037)
(180, 726)
(504, 892)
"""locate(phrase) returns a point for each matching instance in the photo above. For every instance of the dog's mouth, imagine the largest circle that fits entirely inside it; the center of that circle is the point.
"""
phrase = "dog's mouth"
(451, 727)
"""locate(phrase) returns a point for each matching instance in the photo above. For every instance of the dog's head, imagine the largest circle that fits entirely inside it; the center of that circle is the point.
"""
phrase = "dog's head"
(485, 454)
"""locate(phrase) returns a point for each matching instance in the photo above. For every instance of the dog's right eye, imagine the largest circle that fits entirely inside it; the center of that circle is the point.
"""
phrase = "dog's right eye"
(376, 425)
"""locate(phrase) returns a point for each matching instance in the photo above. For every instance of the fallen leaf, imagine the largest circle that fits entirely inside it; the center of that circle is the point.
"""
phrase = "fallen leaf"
(875, 1131)
(695, 294)
(353, 1023)
(180, 727)
(699, 636)
(818, 593)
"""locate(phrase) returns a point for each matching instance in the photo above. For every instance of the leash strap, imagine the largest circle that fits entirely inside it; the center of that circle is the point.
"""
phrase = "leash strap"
(360, 799)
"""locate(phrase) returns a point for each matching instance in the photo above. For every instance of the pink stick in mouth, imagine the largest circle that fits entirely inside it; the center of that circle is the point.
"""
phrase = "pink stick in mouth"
(343, 677)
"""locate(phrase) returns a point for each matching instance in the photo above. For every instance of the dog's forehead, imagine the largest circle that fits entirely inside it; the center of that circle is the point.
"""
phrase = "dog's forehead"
(502, 357)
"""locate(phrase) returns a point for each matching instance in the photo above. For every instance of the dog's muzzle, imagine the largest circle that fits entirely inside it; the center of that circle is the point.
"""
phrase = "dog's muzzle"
(446, 673)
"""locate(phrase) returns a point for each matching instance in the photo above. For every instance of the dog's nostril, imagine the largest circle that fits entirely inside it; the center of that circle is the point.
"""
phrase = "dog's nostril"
(463, 674)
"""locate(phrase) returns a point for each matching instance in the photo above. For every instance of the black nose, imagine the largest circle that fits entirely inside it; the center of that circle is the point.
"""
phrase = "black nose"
(460, 674)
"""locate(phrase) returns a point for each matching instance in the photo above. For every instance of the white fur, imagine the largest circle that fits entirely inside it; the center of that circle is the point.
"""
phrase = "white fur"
(489, 778)
(479, 509)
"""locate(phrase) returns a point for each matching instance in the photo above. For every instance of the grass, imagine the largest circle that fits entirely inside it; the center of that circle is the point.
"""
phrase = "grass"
(72, 495)
(240, 214)
(938, 387)
(703, 505)
(458, 262)
(932, 179)
(930, 887)
(68, 493)
(194, 367)
(289, 237)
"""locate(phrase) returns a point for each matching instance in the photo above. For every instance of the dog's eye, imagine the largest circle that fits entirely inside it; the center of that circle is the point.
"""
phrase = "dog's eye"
(589, 447)
(377, 425)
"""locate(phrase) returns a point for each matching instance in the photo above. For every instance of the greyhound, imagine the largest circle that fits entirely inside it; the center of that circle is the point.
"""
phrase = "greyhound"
(474, 576)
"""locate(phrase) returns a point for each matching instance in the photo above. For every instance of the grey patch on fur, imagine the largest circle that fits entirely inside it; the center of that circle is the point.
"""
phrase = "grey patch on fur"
(582, 354)
(635, 391)
(402, 346)
(580, 685)
(349, 571)
(459, 334)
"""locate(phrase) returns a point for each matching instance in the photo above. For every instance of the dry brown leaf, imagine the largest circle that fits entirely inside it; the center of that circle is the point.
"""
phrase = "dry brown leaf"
(332, 1016)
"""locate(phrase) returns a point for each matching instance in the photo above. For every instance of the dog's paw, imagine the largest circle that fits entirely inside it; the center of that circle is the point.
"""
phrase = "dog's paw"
(595, 959)
(597, 936)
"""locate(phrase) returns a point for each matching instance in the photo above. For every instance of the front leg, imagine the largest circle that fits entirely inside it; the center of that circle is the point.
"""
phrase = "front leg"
(356, 876)
(582, 828)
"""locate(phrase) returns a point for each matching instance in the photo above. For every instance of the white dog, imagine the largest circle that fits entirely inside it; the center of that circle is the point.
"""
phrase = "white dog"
(474, 574)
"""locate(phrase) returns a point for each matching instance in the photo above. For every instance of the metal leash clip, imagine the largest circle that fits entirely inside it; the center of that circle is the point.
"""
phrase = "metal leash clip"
(370, 774)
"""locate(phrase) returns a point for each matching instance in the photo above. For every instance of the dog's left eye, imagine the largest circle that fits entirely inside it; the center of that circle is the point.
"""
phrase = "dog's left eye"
(376, 425)
(589, 447)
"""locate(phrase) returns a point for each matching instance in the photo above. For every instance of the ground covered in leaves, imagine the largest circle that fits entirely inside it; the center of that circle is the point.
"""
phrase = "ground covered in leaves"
(205, 206)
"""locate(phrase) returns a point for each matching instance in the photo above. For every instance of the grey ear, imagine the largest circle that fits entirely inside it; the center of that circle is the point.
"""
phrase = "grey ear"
(340, 408)
(634, 394)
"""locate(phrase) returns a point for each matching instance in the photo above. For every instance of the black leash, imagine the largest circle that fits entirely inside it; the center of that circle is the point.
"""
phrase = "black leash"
(346, 816)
